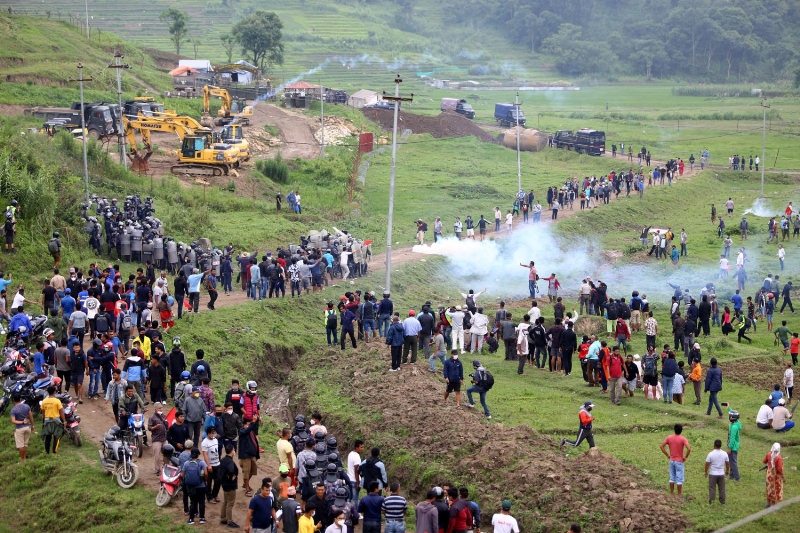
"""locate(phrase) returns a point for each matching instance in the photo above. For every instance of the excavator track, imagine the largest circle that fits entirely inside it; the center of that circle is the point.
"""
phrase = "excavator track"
(199, 170)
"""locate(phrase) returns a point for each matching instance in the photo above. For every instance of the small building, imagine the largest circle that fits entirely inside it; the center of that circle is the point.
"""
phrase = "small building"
(301, 94)
(200, 65)
(363, 98)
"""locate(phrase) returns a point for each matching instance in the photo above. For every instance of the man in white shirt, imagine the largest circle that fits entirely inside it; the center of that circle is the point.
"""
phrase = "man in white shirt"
(456, 317)
(723, 266)
(765, 415)
(503, 522)
(353, 460)
(534, 312)
(522, 344)
(479, 329)
(788, 382)
(717, 467)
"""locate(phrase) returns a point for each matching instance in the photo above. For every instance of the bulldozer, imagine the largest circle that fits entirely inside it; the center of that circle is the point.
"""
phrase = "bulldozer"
(199, 154)
(232, 110)
(232, 134)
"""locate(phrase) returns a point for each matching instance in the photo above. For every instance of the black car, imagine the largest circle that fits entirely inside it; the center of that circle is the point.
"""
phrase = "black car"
(380, 105)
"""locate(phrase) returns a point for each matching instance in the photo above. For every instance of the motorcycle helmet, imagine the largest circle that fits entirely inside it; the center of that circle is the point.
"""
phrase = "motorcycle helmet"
(97, 343)
(252, 386)
(332, 468)
(733, 415)
(333, 457)
(185, 375)
(167, 449)
(300, 418)
(22, 329)
(176, 341)
(332, 442)
(47, 332)
(14, 203)
(201, 369)
(55, 234)
(319, 436)
(309, 465)
(299, 426)
(56, 382)
(341, 493)
(114, 431)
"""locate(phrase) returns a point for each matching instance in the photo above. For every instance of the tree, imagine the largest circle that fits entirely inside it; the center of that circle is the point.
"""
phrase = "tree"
(228, 43)
(178, 22)
(260, 36)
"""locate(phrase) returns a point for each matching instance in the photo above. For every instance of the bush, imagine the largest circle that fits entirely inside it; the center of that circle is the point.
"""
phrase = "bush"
(274, 169)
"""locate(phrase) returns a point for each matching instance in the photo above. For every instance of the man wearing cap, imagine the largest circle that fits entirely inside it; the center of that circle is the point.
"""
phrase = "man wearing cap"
(585, 427)
(503, 522)
(411, 330)
(478, 380)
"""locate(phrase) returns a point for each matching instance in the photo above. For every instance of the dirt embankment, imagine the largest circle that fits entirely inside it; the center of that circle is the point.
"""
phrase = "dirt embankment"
(550, 491)
(443, 125)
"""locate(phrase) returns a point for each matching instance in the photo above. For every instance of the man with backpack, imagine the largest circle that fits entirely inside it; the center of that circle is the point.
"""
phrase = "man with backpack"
(194, 474)
(650, 372)
(482, 381)
(373, 469)
(54, 247)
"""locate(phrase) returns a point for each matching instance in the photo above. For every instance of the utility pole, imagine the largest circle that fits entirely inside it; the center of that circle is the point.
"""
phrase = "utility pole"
(120, 128)
(86, 5)
(396, 99)
(80, 80)
(519, 165)
(763, 146)
(322, 117)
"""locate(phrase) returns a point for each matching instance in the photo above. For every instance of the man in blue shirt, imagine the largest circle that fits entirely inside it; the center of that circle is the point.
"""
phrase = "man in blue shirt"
(4, 283)
(255, 281)
(39, 363)
(348, 319)
(370, 508)
(737, 301)
(411, 328)
(19, 320)
(194, 288)
(261, 511)
(67, 305)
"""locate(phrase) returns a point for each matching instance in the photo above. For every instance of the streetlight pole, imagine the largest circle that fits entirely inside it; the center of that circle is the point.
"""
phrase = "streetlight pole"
(120, 127)
(80, 80)
(763, 147)
(519, 165)
(396, 99)
(86, 6)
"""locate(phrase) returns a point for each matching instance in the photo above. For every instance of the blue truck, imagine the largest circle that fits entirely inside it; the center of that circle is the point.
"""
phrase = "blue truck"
(506, 115)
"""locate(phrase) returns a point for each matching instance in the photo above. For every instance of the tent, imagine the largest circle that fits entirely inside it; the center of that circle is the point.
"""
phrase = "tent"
(362, 98)
(183, 71)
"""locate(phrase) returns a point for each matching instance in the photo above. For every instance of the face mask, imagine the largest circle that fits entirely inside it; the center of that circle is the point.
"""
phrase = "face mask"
(218, 414)
(160, 411)
(229, 411)
(340, 523)
(455, 358)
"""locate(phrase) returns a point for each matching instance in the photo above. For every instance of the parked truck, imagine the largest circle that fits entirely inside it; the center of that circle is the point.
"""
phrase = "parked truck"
(459, 106)
(585, 141)
(99, 120)
(507, 115)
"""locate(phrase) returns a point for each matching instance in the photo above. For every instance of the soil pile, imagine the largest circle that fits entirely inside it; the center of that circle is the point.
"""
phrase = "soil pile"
(549, 489)
(759, 373)
(446, 124)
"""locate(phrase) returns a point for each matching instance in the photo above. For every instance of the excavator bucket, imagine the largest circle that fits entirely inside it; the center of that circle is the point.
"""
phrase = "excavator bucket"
(206, 121)
(139, 160)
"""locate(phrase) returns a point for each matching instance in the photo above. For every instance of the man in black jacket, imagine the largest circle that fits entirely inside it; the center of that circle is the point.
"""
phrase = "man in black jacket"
(248, 452)
(569, 344)
(229, 475)
(704, 315)
(181, 291)
(427, 321)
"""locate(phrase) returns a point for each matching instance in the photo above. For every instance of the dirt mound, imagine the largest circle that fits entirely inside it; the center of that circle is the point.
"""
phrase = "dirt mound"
(761, 373)
(444, 125)
(550, 490)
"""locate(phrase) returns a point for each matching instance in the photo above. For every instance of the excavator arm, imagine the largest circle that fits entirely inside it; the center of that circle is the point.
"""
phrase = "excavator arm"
(145, 125)
(208, 92)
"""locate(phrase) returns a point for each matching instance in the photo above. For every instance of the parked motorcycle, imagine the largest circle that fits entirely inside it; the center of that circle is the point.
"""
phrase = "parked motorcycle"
(170, 479)
(116, 457)
(73, 419)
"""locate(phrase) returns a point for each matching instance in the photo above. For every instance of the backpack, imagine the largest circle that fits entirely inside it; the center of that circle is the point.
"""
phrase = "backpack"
(274, 273)
(331, 321)
(101, 323)
(487, 380)
(424, 226)
(192, 476)
(649, 365)
(467, 317)
(126, 321)
(470, 302)
(330, 488)
(180, 395)
(369, 472)
(624, 312)
(52, 246)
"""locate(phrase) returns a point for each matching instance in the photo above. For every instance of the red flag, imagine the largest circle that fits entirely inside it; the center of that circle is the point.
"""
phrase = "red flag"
(171, 417)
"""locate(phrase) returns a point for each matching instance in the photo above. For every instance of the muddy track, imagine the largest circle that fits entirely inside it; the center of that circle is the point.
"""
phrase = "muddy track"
(296, 130)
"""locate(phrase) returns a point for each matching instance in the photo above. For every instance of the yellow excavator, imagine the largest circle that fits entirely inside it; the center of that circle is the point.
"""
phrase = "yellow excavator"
(232, 110)
(199, 154)
(232, 134)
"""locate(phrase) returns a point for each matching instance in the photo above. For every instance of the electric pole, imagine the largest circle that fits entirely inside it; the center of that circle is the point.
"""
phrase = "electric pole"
(86, 5)
(80, 80)
(118, 65)
(322, 117)
(396, 99)
(519, 165)
(763, 147)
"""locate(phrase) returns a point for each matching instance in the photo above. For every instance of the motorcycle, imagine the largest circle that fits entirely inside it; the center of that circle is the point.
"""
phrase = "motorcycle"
(171, 484)
(116, 457)
(10, 370)
(136, 431)
(73, 419)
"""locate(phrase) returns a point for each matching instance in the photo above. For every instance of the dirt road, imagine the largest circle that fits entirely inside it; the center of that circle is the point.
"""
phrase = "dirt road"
(296, 130)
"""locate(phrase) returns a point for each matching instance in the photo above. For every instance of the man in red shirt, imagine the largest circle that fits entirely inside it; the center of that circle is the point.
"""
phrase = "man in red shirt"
(676, 444)
(460, 515)
(616, 371)
(585, 428)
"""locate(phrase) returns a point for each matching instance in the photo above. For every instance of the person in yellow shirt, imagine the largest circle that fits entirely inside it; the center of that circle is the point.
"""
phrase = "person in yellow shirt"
(306, 522)
(144, 344)
(55, 423)
(286, 453)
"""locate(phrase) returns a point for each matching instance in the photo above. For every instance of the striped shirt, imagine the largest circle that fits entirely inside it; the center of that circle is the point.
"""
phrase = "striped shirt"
(394, 507)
